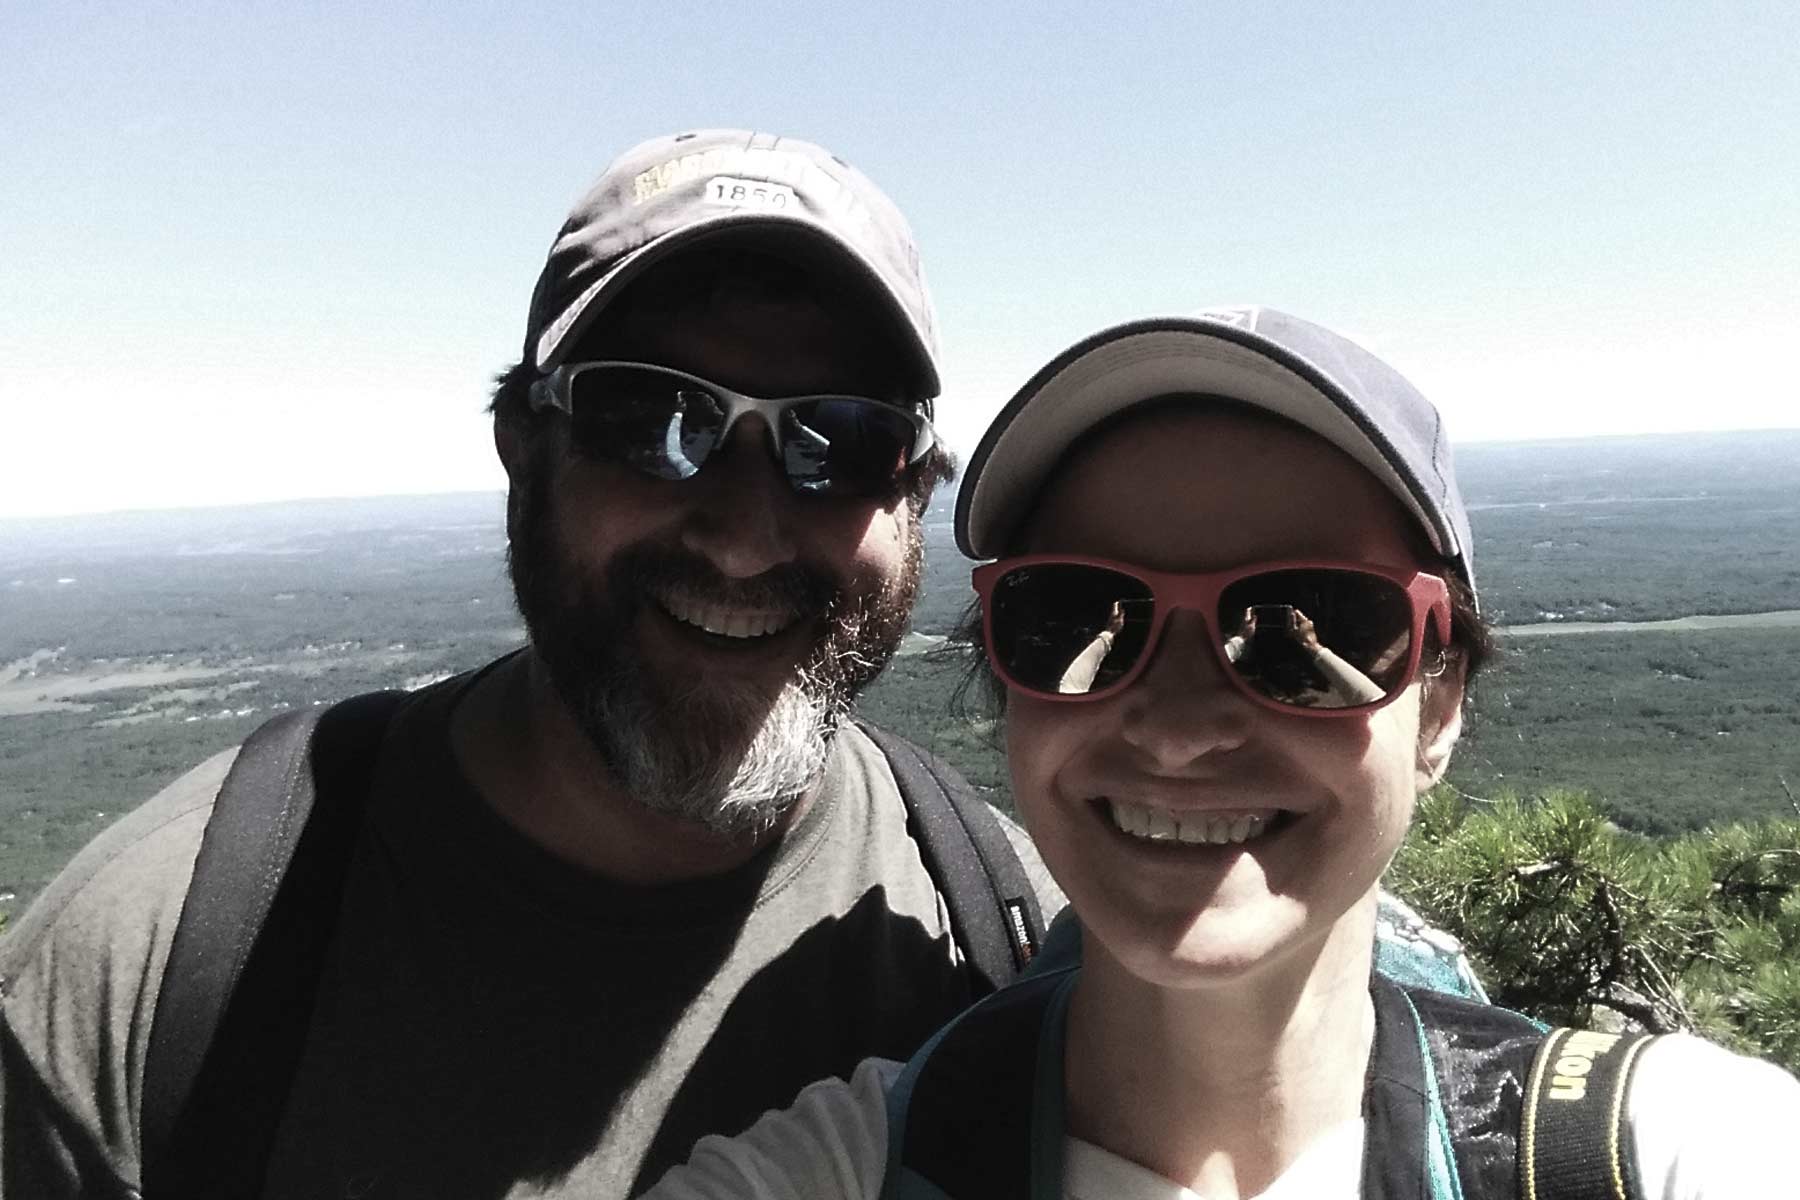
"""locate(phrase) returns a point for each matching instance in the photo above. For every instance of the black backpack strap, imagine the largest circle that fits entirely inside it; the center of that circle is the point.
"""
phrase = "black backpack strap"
(1574, 1140)
(237, 993)
(978, 1109)
(994, 913)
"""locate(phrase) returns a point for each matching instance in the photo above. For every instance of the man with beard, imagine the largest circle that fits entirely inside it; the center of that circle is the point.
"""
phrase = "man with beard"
(635, 883)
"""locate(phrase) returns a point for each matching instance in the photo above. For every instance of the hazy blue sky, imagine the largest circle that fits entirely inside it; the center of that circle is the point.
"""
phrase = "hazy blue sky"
(251, 251)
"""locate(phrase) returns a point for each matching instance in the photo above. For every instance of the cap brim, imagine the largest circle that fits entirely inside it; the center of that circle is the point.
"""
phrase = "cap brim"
(813, 239)
(1129, 364)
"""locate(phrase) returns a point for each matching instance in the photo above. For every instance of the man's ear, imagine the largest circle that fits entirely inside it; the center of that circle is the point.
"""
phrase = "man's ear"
(510, 447)
(1440, 721)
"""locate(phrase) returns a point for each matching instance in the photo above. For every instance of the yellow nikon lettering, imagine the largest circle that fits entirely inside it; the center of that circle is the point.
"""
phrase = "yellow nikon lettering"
(1575, 1060)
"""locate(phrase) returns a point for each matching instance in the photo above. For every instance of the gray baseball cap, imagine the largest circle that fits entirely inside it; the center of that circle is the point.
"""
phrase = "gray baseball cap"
(672, 192)
(1253, 355)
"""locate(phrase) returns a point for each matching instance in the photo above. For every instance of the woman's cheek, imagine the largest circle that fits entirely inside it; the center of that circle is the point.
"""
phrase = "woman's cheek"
(1042, 738)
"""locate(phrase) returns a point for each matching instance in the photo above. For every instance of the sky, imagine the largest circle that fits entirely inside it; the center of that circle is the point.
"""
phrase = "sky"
(252, 252)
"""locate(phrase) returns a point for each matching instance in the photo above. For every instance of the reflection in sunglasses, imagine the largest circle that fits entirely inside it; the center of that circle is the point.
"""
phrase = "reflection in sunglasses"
(1074, 628)
(668, 423)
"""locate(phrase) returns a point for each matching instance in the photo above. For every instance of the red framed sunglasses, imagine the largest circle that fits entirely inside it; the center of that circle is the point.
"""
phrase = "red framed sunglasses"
(1308, 638)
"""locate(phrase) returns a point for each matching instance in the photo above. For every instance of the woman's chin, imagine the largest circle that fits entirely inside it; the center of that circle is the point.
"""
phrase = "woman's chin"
(1215, 949)
(1279, 945)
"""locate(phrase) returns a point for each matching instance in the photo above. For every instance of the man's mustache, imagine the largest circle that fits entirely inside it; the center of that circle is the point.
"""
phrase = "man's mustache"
(789, 587)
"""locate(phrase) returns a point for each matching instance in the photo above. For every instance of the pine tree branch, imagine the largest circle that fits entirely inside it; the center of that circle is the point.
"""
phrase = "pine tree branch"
(1670, 998)
(1724, 882)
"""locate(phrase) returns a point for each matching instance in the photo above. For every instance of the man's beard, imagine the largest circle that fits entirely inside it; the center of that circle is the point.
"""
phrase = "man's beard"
(733, 759)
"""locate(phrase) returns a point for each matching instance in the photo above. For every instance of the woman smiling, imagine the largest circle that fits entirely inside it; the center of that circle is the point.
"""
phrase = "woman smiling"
(1231, 616)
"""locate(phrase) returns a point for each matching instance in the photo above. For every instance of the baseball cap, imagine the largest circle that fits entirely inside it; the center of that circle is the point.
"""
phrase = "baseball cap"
(1253, 355)
(673, 192)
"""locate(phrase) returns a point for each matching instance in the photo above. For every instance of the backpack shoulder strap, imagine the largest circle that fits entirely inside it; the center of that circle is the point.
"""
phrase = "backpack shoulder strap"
(993, 912)
(1574, 1140)
(978, 1109)
(236, 995)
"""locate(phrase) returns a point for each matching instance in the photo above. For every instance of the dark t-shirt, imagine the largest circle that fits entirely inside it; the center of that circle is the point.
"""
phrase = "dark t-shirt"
(492, 1021)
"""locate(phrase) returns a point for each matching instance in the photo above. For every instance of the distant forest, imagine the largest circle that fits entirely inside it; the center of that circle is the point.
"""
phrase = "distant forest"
(133, 645)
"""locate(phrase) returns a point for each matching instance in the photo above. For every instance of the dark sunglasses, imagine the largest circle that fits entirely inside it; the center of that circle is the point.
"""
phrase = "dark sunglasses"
(1317, 639)
(668, 423)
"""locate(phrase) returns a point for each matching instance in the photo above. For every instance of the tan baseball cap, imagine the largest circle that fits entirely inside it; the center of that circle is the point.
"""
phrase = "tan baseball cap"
(672, 192)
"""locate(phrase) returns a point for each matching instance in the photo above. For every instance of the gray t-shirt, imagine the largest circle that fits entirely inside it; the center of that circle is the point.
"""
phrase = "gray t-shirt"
(491, 1020)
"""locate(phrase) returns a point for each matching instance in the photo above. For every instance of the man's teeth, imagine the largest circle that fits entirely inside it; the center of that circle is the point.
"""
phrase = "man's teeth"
(1163, 825)
(724, 620)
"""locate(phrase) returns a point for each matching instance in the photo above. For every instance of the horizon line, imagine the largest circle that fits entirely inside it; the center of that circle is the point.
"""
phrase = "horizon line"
(271, 502)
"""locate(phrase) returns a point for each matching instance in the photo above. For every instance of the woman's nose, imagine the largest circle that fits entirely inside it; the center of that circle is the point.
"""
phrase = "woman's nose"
(1183, 708)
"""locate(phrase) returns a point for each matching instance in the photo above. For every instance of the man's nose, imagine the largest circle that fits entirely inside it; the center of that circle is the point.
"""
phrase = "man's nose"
(742, 512)
(1183, 708)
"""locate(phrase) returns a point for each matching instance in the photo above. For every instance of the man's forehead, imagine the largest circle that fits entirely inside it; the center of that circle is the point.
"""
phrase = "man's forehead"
(756, 263)
(762, 302)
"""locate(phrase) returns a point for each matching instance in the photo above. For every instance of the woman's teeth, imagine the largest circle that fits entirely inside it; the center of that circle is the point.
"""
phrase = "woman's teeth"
(1196, 828)
(724, 620)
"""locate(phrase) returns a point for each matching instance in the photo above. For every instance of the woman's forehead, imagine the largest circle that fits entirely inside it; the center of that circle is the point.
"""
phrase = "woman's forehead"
(1205, 484)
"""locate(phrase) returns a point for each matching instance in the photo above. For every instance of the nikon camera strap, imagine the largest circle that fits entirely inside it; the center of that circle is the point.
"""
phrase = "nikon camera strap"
(1574, 1141)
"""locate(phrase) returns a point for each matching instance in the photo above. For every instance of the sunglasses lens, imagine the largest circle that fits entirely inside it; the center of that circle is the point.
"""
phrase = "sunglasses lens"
(668, 426)
(1047, 625)
(844, 446)
(656, 422)
(1318, 638)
